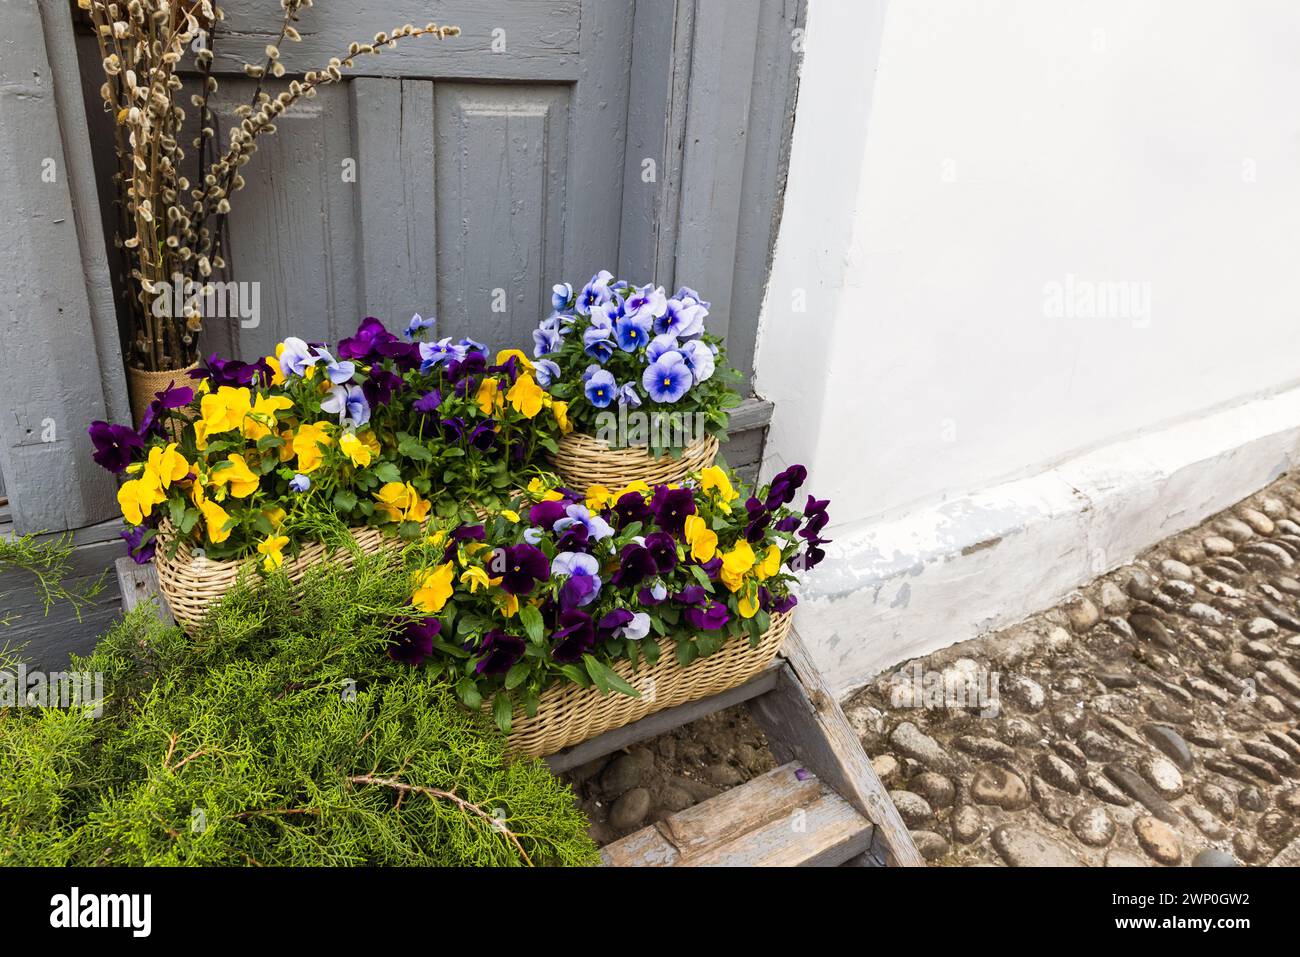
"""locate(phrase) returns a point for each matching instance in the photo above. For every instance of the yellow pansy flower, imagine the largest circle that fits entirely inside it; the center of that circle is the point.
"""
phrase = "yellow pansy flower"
(510, 515)
(770, 565)
(398, 501)
(748, 604)
(508, 604)
(714, 479)
(637, 486)
(433, 588)
(167, 465)
(525, 396)
(489, 396)
(476, 578)
(224, 409)
(505, 355)
(702, 539)
(598, 497)
(306, 445)
(237, 475)
(736, 563)
(277, 374)
(214, 515)
(538, 489)
(370, 441)
(273, 548)
(438, 537)
(261, 417)
(355, 449)
(138, 497)
(561, 412)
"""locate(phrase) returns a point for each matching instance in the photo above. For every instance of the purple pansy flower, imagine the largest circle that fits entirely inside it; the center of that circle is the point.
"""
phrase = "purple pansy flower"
(299, 483)
(574, 636)
(546, 341)
(339, 371)
(699, 359)
(785, 485)
(414, 642)
(500, 652)
(141, 543)
(628, 396)
(453, 429)
(561, 296)
(582, 585)
(172, 397)
(484, 436)
(631, 507)
(433, 354)
(361, 345)
(632, 333)
(522, 567)
(546, 514)
(668, 378)
(709, 616)
(349, 404)
(115, 445)
(380, 386)
(575, 514)
(597, 343)
(601, 389)
(671, 506)
(664, 549)
(635, 564)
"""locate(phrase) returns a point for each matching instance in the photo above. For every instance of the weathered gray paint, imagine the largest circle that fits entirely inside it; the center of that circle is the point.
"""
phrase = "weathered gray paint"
(58, 363)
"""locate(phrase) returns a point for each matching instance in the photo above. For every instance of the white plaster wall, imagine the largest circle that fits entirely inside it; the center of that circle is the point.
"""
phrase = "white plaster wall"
(950, 161)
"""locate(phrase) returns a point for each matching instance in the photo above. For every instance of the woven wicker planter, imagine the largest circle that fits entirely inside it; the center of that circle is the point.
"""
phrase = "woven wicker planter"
(143, 386)
(193, 583)
(569, 714)
(583, 461)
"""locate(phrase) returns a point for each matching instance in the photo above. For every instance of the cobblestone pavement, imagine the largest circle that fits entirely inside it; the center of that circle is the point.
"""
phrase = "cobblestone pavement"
(1152, 718)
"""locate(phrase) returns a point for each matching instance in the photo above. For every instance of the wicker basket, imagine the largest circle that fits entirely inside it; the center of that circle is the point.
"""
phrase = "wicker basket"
(583, 461)
(143, 386)
(193, 583)
(569, 714)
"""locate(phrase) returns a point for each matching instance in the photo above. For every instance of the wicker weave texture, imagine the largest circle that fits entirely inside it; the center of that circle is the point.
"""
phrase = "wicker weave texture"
(143, 386)
(192, 583)
(583, 461)
(569, 714)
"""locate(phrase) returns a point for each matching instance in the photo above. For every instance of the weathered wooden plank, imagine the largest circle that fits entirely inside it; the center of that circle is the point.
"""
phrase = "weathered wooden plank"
(742, 809)
(49, 390)
(804, 722)
(139, 584)
(823, 834)
(785, 818)
(721, 83)
(45, 640)
(394, 189)
(502, 157)
(661, 721)
(594, 184)
(767, 159)
(537, 40)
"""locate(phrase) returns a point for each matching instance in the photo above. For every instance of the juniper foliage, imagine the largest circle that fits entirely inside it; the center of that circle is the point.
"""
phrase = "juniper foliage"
(280, 735)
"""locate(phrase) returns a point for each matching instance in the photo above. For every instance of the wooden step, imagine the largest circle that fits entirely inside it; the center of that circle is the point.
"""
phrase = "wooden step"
(785, 818)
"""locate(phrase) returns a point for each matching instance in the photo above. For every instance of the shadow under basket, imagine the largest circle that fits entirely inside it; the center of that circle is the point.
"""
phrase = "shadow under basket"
(583, 461)
(569, 714)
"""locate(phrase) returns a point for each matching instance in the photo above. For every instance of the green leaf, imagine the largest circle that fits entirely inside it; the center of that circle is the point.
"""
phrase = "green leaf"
(598, 673)
(701, 576)
(575, 674)
(618, 684)
(415, 451)
(532, 622)
(517, 673)
(387, 472)
(686, 652)
(502, 709)
(344, 500)
(468, 692)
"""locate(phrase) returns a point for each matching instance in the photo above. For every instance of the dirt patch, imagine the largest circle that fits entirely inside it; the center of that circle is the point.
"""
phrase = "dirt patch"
(630, 789)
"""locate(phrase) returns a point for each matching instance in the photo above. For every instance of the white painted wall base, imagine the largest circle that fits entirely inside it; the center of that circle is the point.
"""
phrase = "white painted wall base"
(905, 586)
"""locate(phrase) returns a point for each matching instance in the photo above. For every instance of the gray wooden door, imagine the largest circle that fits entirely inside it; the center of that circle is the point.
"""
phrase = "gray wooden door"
(458, 177)
(463, 177)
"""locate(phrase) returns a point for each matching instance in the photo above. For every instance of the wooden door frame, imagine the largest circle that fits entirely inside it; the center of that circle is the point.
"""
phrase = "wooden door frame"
(61, 363)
